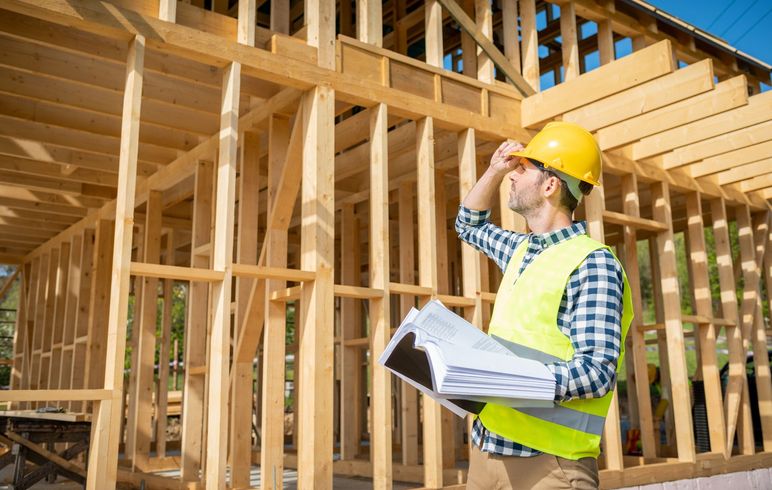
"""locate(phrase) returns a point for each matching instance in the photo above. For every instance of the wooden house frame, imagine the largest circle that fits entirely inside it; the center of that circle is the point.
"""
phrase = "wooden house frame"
(266, 158)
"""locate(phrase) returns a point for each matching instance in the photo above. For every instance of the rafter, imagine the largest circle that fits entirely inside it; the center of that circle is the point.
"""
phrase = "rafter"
(731, 159)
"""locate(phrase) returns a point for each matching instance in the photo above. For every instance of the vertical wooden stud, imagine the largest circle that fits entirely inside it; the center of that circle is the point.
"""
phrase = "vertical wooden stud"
(673, 328)
(222, 258)
(530, 43)
(484, 18)
(272, 415)
(162, 388)
(570, 43)
(433, 27)
(103, 456)
(631, 206)
(698, 263)
(509, 28)
(316, 312)
(380, 332)
(427, 277)
(196, 326)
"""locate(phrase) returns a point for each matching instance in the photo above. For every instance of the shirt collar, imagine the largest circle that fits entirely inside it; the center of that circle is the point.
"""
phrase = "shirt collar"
(553, 237)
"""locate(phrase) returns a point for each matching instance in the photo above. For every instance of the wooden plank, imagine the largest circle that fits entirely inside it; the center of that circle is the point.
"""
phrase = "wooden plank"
(380, 321)
(673, 326)
(605, 42)
(654, 94)
(54, 395)
(142, 406)
(747, 173)
(756, 111)
(241, 404)
(637, 342)
(164, 342)
(530, 43)
(698, 263)
(729, 309)
(633, 221)
(103, 456)
(369, 21)
(569, 44)
(470, 260)
(247, 20)
(731, 159)
(265, 272)
(594, 206)
(427, 278)
(510, 37)
(220, 299)
(723, 143)
(626, 72)
(196, 327)
(726, 95)
(433, 28)
(317, 245)
(483, 30)
(758, 337)
(79, 378)
(273, 375)
(162, 271)
(409, 395)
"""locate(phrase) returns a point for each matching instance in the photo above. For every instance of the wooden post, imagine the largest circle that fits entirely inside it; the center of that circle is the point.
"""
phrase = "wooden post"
(79, 379)
(638, 352)
(605, 42)
(433, 28)
(316, 304)
(509, 28)
(196, 326)
(103, 456)
(274, 336)
(427, 277)
(470, 258)
(370, 22)
(162, 391)
(222, 258)
(594, 205)
(530, 43)
(484, 17)
(280, 16)
(673, 327)
(146, 337)
(380, 331)
(468, 44)
(759, 337)
(698, 262)
(409, 398)
(246, 253)
(570, 43)
(351, 328)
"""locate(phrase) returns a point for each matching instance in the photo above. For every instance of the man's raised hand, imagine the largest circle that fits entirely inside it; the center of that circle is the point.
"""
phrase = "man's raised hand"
(501, 161)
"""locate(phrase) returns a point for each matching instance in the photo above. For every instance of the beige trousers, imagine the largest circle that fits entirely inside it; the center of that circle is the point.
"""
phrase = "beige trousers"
(493, 472)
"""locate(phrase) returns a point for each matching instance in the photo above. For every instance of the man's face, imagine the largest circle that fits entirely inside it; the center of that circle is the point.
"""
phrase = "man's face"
(525, 194)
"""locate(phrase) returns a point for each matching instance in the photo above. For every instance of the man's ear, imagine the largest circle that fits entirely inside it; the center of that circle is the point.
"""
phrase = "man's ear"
(551, 186)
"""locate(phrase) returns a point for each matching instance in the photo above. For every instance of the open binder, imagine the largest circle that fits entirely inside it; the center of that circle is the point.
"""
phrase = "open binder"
(455, 363)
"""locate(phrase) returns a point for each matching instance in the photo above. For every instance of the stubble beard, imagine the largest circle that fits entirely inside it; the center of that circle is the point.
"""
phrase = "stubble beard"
(524, 203)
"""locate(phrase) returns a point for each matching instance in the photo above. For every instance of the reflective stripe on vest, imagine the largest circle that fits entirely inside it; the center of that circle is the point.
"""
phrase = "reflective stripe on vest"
(525, 320)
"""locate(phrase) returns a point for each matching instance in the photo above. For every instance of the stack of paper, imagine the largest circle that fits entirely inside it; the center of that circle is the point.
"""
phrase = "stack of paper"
(460, 366)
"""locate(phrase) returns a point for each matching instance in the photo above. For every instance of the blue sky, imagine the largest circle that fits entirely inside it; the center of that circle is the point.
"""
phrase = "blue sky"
(744, 24)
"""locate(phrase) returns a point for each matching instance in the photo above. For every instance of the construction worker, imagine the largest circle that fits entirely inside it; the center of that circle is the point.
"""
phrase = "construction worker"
(564, 300)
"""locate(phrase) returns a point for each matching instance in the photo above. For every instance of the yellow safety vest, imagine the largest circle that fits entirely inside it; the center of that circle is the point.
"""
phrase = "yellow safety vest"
(525, 320)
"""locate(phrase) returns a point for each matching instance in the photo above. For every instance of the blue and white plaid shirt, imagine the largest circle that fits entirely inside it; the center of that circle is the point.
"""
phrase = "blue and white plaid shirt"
(590, 314)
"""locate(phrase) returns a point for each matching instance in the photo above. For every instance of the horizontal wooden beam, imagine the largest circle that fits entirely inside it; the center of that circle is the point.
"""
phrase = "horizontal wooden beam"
(757, 110)
(731, 159)
(660, 92)
(54, 395)
(281, 273)
(726, 95)
(175, 272)
(622, 74)
(633, 221)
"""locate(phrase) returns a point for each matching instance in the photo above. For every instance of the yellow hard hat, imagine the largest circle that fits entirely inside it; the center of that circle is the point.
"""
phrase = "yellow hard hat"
(568, 148)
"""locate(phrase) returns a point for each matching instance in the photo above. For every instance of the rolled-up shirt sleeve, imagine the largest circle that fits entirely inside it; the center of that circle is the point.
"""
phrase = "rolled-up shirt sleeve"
(497, 243)
(595, 329)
